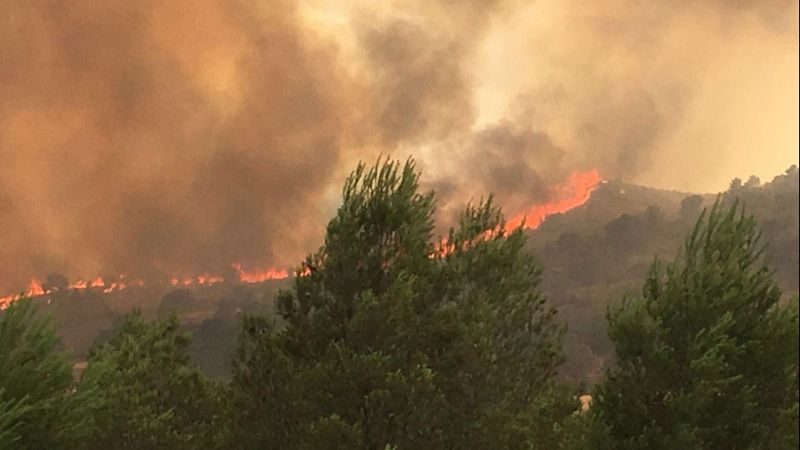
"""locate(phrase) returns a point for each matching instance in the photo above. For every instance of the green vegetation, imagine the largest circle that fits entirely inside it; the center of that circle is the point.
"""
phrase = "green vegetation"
(37, 409)
(596, 253)
(146, 393)
(394, 338)
(706, 358)
(388, 345)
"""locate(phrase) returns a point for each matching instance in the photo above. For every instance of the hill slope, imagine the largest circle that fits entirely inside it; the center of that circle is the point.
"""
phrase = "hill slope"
(600, 252)
(591, 256)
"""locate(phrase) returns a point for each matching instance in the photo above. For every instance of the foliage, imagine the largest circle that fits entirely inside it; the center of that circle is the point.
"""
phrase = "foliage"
(37, 409)
(707, 357)
(605, 248)
(214, 340)
(12, 416)
(391, 341)
(148, 396)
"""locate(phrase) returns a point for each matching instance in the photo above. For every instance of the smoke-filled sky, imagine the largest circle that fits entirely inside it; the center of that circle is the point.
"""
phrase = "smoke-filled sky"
(178, 137)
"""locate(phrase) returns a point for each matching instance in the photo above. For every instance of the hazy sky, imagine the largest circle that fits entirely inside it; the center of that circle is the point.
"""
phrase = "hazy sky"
(701, 91)
(177, 137)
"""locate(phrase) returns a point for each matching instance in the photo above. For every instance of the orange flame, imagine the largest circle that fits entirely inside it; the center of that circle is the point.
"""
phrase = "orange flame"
(6, 300)
(34, 289)
(114, 286)
(257, 276)
(573, 192)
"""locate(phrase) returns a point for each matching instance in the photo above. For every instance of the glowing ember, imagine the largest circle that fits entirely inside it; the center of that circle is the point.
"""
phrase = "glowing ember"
(114, 286)
(209, 279)
(204, 280)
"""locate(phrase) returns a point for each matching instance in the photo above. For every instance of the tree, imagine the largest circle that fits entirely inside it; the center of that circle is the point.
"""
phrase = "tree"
(214, 341)
(148, 394)
(391, 340)
(37, 409)
(753, 182)
(12, 416)
(707, 357)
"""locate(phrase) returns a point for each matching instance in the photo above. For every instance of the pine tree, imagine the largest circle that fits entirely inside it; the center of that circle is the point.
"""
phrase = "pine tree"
(147, 395)
(12, 416)
(707, 357)
(393, 341)
(37, 409)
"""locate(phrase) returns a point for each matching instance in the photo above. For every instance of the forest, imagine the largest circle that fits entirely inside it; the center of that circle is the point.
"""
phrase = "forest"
(672, 324)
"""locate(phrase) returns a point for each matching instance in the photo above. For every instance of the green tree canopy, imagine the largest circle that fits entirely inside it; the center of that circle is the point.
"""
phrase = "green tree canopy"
(707, 357)
(37, 409)
(391, 340)
(147, 394)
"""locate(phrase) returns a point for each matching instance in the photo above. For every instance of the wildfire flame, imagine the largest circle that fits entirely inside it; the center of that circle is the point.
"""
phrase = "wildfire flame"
(257, 276)
(573, 192)
(36, 289)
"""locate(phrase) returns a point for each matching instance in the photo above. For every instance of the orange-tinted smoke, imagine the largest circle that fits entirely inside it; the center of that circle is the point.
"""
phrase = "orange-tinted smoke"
(163, 138)
(154, 138)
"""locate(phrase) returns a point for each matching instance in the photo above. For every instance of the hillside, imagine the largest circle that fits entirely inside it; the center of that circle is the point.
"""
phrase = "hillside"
(596, 254)
(591, 256)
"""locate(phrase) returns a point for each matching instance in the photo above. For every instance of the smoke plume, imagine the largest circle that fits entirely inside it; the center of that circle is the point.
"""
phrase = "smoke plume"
(175, 138)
